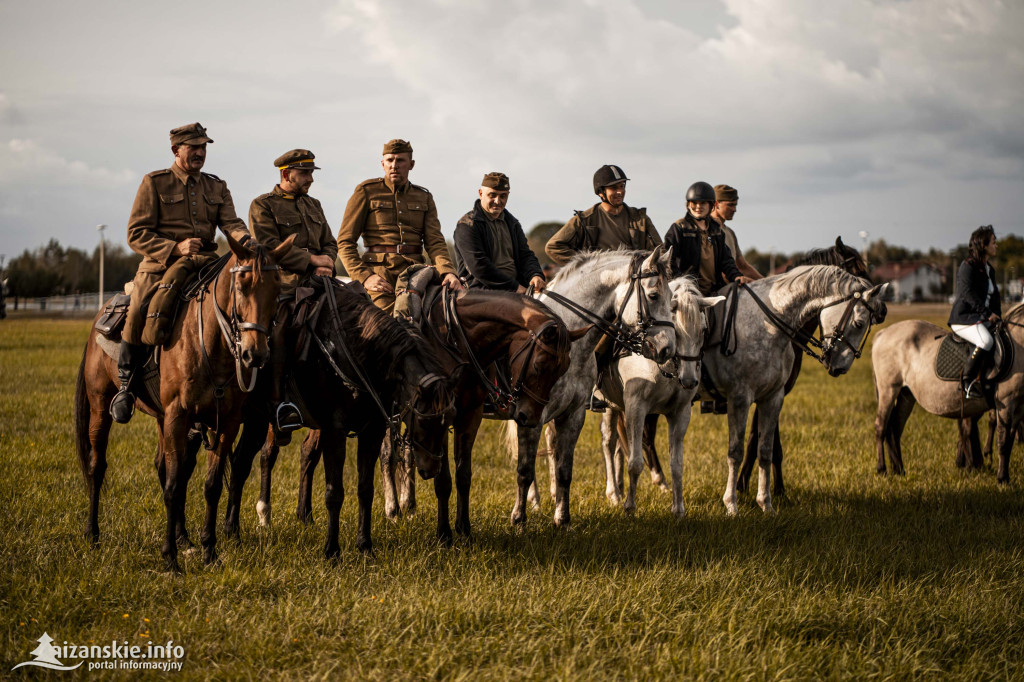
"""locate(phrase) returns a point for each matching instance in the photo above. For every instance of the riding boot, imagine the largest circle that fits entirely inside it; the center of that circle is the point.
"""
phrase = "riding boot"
(122, 407)
(604, 355)
(286, 415)
(973, 373)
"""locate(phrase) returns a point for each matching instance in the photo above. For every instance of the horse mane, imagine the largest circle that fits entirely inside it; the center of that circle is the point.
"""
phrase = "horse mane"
(817, 280)
(587, 261)
(1015, 313)
(833, 256)
(689, 324)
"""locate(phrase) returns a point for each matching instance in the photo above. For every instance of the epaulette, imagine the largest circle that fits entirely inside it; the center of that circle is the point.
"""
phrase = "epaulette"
(158, 172)
(211, 175)
(263, 196)
(420, 187)
(370, 181)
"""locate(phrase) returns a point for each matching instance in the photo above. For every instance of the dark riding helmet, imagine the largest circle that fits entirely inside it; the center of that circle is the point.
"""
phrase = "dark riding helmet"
(701, 191)
(608, 175)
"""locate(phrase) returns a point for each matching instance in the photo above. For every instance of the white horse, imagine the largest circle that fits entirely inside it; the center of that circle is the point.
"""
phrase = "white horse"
(846, 306)
(604, 283)
(637, 387)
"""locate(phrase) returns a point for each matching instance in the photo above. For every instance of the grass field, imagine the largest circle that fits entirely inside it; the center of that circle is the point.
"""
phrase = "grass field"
(858, 576)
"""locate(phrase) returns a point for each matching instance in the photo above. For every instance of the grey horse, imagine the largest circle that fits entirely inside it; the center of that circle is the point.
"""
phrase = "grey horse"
(600, 282)
(903, 360)
(846, 307)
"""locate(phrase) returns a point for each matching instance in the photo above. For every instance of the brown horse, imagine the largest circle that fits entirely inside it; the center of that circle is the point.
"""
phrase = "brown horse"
(367, 374)
(205, 369)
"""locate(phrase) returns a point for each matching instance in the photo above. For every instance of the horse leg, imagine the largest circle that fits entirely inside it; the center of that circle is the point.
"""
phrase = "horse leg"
(769, 423)
(977, 460)
(738, 407)
(268, 458)
(173, 436)
(678, 422)
(568, 433)
(309, 454)
(388, 465)
(1005, 437)
(549, 445)
(254, 433)
(93, 458)
(990, 439)
(619, 456)
(651, 452)
(443, 492)
(527, 439)
(886, 397)
(406, 481)
(750, 455)
(367, 454)
(465, 437)
(332, 445)
(897, 421)
(609, 443)
(778, 489)
(193, 442)
(215, 463)
(635, 429)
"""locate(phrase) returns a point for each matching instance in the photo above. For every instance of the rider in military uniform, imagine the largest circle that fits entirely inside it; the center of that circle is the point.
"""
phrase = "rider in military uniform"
(610, 224)
(396, 220)
(175, 215)
(726, 199)
(289, 211)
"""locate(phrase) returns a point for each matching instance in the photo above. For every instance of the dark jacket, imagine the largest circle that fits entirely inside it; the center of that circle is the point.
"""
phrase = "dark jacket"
(684, 238)
(473, 249)
(971, 288)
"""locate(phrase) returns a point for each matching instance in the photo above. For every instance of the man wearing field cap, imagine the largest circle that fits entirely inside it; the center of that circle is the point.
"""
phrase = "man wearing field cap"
(288, 211)
(176, 214)
(607, 225)
(726, 199)
(397, 221)
(491, 251)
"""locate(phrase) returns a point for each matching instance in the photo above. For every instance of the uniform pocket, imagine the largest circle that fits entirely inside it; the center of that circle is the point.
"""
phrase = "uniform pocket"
(383, 211)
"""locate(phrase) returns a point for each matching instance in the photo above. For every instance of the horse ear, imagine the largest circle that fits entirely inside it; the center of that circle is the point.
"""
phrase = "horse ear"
(666, 259)
(278, 253)
(708, 301)
(241, 252)
(839, 242)
(878, 293)
(577, 334)
(653, 258)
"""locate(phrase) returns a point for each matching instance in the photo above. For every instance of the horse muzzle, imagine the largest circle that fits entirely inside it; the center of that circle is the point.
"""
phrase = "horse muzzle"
(254, 359)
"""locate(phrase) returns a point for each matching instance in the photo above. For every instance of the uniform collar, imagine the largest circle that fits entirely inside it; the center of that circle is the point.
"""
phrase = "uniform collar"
(182, 175)
(399, 189)
(284, 195)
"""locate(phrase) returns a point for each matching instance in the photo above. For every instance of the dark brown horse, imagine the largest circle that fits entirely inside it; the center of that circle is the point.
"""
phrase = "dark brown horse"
(205, 369)
(841, 255)
(367, 374)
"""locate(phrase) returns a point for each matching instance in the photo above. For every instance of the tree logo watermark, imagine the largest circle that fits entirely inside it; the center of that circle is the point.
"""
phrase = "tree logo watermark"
(113, 656)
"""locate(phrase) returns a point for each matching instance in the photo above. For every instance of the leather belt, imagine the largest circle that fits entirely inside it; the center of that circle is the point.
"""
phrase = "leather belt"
(394, 248)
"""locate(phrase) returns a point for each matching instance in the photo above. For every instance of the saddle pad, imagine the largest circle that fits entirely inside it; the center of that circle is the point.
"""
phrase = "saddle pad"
(951, 358)
(150, 370)
(716, 315)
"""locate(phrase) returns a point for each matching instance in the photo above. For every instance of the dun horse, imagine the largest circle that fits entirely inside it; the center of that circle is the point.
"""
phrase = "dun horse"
(211, 356)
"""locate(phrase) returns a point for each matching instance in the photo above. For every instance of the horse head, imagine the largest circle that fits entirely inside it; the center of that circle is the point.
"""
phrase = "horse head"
(644, 303)
(845, 325)
(691, 324)
(425, 409)
(249, 297)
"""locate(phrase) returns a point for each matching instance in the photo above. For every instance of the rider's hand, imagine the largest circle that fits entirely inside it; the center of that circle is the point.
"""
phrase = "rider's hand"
(189, 247)
(452, 282)
(538, 283)
(378, 283)
(325, 272)
(993, 318)
(743, 279)
(321, 262)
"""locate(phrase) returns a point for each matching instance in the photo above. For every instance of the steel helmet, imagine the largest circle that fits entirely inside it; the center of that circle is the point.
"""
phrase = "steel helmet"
(608, 175)
(701, 191)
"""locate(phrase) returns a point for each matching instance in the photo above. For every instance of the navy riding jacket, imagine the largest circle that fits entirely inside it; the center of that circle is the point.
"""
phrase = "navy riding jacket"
(972, 282)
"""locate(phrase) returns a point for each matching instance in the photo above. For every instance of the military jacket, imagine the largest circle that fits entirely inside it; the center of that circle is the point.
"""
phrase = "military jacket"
(172, 206)
(383, 216)
(275, 216)
(582, 233)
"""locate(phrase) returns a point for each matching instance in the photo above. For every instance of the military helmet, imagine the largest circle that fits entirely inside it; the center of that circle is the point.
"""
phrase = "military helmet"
(608, 175)
(700, 191)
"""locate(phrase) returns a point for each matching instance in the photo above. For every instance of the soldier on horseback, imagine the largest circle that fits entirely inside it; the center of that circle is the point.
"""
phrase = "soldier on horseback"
(173, 222)
(977, 307)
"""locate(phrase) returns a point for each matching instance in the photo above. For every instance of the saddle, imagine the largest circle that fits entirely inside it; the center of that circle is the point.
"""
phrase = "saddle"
(163, 307)
(148, 389)
(411, 291)
(721, 331)
(304, 307)
(954, 352)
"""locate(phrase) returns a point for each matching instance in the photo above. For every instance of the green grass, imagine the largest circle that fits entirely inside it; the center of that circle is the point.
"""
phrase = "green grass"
(858, 576)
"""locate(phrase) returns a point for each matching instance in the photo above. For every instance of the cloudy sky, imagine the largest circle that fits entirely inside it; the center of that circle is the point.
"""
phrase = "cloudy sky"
(902, 118)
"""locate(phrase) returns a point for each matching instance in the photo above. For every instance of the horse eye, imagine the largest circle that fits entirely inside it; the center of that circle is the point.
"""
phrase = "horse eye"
(859, 324)
(653, 295)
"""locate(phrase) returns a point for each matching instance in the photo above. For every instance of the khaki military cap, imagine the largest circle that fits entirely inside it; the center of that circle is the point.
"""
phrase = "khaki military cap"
(396, 146)
(193, 134)
(296, 158)
(498, 181)
(726, 193)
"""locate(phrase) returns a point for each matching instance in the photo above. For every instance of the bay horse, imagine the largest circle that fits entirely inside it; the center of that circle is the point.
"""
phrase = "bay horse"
(903, 364)
(636, 387)
(215, 343)
(367, 375)
(770, 314)
(469, 332)
(623, 293)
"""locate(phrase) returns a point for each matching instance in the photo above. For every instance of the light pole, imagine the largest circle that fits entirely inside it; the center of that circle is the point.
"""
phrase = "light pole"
(771, 260)
(864, 253)
(100, 229)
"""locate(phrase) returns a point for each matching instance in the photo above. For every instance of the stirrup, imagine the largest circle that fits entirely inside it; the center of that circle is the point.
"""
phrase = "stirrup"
(972, 391)
(287, 417)
(122, 407)
(596, 404)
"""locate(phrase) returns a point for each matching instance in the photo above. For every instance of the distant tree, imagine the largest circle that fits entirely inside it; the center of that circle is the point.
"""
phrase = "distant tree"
(538, 238)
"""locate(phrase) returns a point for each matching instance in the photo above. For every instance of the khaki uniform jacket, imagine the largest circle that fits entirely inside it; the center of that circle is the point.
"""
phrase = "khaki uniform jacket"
(275, 216)
(383, 216)
(172, 206)
(581, 234)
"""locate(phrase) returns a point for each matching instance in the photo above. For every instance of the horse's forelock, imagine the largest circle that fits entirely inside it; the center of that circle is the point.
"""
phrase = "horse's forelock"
(689, 323)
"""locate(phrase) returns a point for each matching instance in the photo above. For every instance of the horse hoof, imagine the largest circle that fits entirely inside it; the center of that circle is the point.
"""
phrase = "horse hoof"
(171, 565)
(210, 557)
(613, 499)
(663, 487)
(263, 513)
(680, 514)
(305, 517)
(332, 552)
(93, 536)
(629, 508)
(185, 544)
(445, 538)
(561, 520)
(366, 549)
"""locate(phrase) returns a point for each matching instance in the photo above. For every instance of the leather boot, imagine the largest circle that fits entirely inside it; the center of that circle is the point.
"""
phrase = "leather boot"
(972, 374)
(286, 415)
(122, 407)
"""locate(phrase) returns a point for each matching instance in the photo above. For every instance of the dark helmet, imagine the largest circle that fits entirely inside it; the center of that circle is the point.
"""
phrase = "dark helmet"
(701, 191)
(608, 175)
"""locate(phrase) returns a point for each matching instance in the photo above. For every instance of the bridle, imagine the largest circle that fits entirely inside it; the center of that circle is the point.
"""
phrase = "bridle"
(631, 337)
(503, 395)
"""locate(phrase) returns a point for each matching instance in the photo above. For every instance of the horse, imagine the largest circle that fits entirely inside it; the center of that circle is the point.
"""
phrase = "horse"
(202, 370)
(367, 374)
(849, 259)
(624, 294)
(903, 360)
(636, 387)
(769, 316)
(470, 331)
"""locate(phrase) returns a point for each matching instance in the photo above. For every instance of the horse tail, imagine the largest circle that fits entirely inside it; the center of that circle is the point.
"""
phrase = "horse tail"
(512, 439)
(82, 414)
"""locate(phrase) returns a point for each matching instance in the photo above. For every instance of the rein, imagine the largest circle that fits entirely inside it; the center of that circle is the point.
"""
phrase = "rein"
(631, 338)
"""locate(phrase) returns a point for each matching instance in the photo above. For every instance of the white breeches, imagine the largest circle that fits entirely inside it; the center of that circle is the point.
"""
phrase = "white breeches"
(978, 334)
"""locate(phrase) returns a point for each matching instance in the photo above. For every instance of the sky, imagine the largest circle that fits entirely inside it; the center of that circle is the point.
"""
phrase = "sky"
(903, 119)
